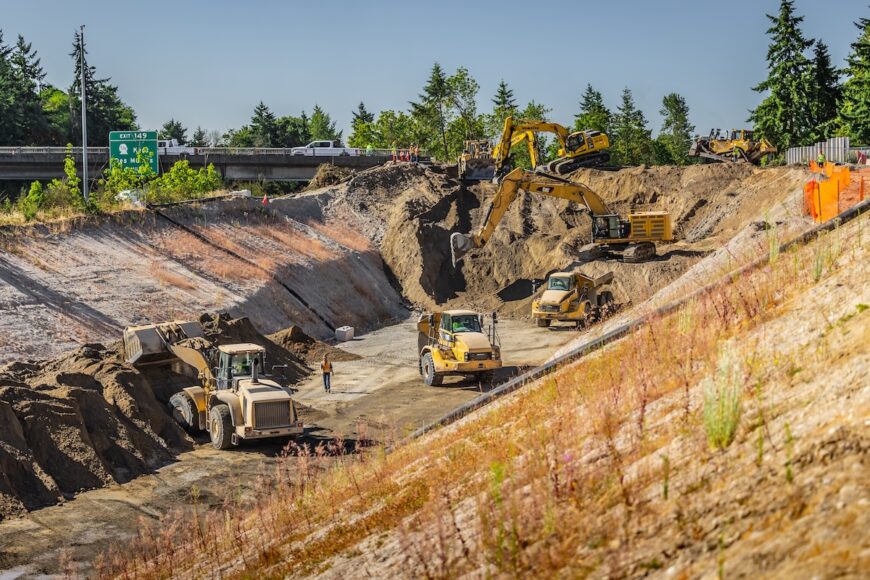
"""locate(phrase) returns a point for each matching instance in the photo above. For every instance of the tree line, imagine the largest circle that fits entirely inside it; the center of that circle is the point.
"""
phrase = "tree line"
(806, 98)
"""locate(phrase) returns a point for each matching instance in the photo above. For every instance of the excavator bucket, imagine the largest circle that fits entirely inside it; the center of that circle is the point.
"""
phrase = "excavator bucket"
(149, 344)
(460, 244)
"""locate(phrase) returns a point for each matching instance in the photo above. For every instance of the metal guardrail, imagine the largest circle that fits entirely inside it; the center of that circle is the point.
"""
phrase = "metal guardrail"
(193, 151)
(626, 329)
(52, 150)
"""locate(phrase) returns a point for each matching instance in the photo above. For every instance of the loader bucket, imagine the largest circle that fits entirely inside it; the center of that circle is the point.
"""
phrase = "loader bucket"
(460, 244)
(148, 344)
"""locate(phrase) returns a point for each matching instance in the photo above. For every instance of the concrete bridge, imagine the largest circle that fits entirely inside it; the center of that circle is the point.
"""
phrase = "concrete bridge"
(234, 164)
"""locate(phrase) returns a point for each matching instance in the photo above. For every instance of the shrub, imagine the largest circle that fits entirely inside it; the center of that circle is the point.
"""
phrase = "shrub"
(722, 403)
(31, 203)
(183, 182)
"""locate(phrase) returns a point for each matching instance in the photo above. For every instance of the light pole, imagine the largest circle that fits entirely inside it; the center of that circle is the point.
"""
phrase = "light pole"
(84, 119)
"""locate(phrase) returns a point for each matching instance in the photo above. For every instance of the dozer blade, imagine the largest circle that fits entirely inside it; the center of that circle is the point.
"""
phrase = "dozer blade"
(460, 244)
(478, 170)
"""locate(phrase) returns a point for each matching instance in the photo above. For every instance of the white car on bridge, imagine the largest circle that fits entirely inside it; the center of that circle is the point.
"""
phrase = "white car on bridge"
(325, 148)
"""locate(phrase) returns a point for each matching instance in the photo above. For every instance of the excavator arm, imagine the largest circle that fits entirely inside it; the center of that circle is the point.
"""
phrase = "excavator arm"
(520, 179)
(514, 133)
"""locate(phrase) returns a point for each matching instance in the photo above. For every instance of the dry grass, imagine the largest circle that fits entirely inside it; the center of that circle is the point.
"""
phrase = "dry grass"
(342, 233)
(207, 260)
(167, 278)
(561, 479)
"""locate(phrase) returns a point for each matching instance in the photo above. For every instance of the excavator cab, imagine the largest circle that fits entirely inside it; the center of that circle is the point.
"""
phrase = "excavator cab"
(610, 227)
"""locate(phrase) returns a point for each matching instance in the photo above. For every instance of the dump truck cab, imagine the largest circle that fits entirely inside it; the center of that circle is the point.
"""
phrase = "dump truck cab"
(236, 398)
(457, 342)
(571, 297)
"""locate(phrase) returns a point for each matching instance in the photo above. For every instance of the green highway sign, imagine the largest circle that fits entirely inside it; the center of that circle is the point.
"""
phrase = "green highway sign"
(125, 146)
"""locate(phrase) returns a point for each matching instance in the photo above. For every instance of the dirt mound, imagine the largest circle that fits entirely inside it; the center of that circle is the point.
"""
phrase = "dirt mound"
(88, 419)
(409, 211)
(307, 348)
(329, 174)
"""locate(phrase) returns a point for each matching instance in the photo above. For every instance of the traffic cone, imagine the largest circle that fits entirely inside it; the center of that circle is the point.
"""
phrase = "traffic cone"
(265, 199)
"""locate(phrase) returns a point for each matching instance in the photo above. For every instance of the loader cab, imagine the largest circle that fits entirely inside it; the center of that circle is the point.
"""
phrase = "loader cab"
(237, 361)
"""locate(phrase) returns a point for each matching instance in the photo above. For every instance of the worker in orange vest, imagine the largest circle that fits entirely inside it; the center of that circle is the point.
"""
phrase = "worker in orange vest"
(326, 369)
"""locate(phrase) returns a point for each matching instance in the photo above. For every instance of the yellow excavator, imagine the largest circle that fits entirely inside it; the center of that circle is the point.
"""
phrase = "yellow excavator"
(576, 149)
(633, 237)
(738, 146)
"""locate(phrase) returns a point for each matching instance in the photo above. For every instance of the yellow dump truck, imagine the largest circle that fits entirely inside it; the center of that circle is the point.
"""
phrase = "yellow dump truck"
(572, 297)
(235, 400)
(456, 342)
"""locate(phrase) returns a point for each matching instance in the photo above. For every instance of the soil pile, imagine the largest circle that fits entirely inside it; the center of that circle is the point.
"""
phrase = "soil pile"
(88, 419)
(329, 174)
(409, 211)
(308, 349)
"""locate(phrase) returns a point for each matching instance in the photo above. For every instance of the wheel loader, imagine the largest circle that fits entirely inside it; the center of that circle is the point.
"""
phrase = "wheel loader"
(572, 297)
(455, 342)
(235, 400)
(737, 147)
(633, 238)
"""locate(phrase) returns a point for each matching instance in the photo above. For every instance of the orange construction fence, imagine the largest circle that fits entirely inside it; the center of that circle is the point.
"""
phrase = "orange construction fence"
(822, 194)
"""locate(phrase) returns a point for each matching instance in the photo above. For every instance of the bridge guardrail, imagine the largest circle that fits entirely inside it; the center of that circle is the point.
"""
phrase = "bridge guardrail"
(186, 150)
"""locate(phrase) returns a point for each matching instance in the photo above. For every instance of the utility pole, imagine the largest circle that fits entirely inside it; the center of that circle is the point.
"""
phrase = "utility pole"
(84, 120)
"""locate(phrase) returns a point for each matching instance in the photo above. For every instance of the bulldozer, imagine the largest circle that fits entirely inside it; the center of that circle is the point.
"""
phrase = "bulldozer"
(576, 149)
(475, 163)
(456, 342)
(632, 238)
(737, 147)
(235, 399)
(572, 297)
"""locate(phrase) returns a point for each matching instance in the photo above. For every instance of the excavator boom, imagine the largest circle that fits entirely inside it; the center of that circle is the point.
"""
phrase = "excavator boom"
(608, 228)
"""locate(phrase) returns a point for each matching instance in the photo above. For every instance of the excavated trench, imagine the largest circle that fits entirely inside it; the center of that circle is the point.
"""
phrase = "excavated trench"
(358, 252)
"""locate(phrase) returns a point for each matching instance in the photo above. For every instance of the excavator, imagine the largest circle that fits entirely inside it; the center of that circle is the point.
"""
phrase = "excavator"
(578, 149)
(235, 399)
(633, 237)
(736, 147)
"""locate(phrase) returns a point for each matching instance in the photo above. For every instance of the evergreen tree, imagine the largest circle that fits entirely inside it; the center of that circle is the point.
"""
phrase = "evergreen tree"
(432, 111)
(29, 79)
(263, 129)
(503, 106)
(854, 117)
(10, 112)
(593, 114)
(199, 138)
(173, 129)
(361, 127)
(676, 134)
(322, 126)
(826, 94)
(784, 116)
(105, 109)
(632, 141)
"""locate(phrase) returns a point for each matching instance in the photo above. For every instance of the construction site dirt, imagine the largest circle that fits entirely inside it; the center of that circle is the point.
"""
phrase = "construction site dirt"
(82, 429)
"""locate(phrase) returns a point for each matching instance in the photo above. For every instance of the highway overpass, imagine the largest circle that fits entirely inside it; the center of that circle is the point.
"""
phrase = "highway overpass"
(235, 164)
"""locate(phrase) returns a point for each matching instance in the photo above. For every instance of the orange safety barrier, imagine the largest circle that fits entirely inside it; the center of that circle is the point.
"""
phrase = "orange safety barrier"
(811, 193)
(829, 199)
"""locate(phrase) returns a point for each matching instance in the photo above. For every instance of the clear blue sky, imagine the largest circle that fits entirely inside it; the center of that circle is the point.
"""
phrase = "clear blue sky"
(208, 63)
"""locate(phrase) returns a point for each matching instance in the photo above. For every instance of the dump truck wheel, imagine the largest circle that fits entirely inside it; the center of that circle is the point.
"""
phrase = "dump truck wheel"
(430, 377)
(184, 412)
(220, 427)
(542, 322)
